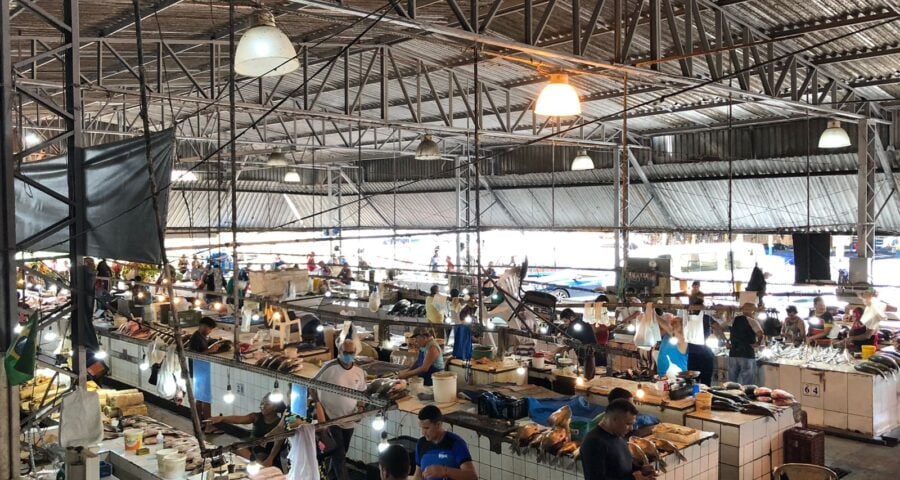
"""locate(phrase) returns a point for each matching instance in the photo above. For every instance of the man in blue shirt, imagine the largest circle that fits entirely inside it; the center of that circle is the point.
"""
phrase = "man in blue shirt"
(441, 454)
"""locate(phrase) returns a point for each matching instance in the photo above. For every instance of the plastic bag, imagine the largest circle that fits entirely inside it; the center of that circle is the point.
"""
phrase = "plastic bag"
(169, 373)
(693, 329)
(375, 300)
(80, 424)
(647, 334)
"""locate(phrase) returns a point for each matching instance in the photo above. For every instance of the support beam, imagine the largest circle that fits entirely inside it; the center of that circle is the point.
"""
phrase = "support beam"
(859, 54)
(651, 188)
(828, 23)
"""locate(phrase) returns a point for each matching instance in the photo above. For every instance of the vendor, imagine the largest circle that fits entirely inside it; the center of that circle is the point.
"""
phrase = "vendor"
(430, 359)
(604, 452)
(700, 357)
(441, 454)
(820, 324)
(345, 276)
(793, 331)
(630, 314)
(673, 349)
(580, 330)
(266, 421)
(199, 341)
(746, 336)
(871, 319)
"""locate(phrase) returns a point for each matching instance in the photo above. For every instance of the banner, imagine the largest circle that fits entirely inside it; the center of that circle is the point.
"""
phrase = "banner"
(21, 356)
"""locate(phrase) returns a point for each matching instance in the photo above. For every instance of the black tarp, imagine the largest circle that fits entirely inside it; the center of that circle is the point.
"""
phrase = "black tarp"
(120, 219)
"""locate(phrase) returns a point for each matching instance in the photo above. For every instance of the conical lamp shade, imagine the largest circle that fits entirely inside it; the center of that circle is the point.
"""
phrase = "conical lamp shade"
(834, 136)
(265, 51)
(428, 149)
(558, 98)
(277, 159)
(582, 161)
(291, 176)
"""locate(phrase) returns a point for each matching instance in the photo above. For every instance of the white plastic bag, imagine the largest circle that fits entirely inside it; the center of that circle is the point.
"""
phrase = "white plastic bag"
(169, 373)
(647, 333)
(375, 300)
(80, 424)
(693, 328)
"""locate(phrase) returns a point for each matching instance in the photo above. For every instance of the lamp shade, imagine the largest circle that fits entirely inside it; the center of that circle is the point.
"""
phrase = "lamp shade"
(179, 175)
(834, 136)
(277, 159)
(428, 149)
(558, 98)
(291, 176)
(264, 50)
(582, 161)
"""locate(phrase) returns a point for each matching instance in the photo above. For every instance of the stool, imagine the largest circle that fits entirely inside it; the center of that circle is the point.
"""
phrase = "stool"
(281, 323)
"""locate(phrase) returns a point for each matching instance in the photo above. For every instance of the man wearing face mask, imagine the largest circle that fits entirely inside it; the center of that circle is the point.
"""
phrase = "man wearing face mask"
(341, 371)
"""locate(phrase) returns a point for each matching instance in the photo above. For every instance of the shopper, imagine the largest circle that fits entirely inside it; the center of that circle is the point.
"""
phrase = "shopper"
(183, 264)
(673, 356)
(696, 297)
(793, 330)
(199, 341)
(450, 266)
(700, 357)
(746, 336)
(343, 372)
(604, 452)
(311, 262)
(393, 463)
(433, 314)
(580, 330)
(264, 422)
(821, 323)
(323, 269)
(435, 260)
(430, 359)
(104, 273)
(441, 454)
(871, 318)
(345, 276)
(490, 272)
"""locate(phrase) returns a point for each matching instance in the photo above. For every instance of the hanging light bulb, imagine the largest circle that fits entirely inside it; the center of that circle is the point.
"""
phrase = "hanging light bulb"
(468, 319)
(198, 302)
(179, 175)
(265, 50)
(291, 176)
(31, 139)
(140, 295)
(490, 325)
(577, 326)
(18, 329)
(465, 291)
(448, 320)
(145, 365)
(712, 342)
(383, 444)
(428, 149)
(50, 335)
(253, 468)
(558, 98)
(328, 294)
(582, 161)
(496, 296)
(630, 328)
(544, 330)
(640, 393)
(673, 341)
(834, 136)
(579, 381)
(229, 395)
(520, 370)
(217, 306)
(100, 354)
(378, 423)
(276, 396)
(320, 328)
(277, 159)
(254, 317)
(161, 298)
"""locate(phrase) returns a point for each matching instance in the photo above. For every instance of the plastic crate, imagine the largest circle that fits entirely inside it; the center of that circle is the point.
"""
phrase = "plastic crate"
(804, 445)
(580, 426)
(502, 406)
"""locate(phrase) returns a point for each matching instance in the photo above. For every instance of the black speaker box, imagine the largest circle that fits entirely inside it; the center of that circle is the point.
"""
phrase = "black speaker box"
(812, 257)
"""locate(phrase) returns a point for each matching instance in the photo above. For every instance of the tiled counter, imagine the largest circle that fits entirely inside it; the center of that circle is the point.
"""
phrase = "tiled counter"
(837, 397)
(669, 411)
(751, 446)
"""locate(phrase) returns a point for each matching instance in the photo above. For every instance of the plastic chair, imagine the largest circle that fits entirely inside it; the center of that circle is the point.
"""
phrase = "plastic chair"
(281, 323)
(803, 471)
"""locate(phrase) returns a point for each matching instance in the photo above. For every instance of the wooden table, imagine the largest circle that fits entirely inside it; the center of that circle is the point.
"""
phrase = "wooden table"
(483, 374)
(672, 411)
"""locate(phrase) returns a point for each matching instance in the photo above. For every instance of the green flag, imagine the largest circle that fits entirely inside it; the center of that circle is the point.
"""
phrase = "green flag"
(21, 356)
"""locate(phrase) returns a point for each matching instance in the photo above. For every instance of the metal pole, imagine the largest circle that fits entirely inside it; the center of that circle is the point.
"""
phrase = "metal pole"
(477, 157)
(233, 149)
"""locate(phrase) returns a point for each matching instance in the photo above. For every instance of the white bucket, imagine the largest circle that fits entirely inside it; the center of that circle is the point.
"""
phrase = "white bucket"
(444, 387)
(172, 466)
(537, 362)
(162, 453)
(134, 439)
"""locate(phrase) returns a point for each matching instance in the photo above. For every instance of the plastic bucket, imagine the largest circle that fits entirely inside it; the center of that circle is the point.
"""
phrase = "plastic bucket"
(172, 466)
(868, 351)
(444, 386)
(537, 360)
(134, 439)
(161, 453)
(703, 401)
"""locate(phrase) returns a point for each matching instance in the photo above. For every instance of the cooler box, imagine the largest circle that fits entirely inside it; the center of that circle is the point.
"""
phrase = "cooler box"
(803, 445)
(581, 426)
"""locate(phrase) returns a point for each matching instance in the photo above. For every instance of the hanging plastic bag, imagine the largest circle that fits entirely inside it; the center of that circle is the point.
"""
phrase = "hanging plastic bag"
(375, 300)
(647, 334)
(80, 424)
(693, 328)
(169, 373)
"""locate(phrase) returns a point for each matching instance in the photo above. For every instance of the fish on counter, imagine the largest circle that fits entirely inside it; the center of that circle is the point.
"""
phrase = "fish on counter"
(666, 446)
(649, 449)
(637, 455)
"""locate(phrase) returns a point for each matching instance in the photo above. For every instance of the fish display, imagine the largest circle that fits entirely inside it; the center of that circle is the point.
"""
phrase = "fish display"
(808, 354)
(666, 446)
(637, 455)
(550, 441)
(524, 435)
(561, 417)
(649, 449)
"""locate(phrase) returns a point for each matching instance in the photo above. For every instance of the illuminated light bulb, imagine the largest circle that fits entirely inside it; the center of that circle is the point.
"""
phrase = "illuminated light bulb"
(320, 328)
(834, 136)
(276, 396)
(276, 316)
(496, 296)
(673, 341)
(630, 328)
(712, 342)
(640, 393)
(544, 329)
(165, 281)
(353, 296)
(254, 317)
(558, 98)
(520, 370)
(465, 291)
(762, 316)
(490, 325)
(383, 444)
(50, 335)
(145, 365)
(378, 423)
(217, 306)
(17, 329)
(161, 298)
(448, 320)
(140, 295)
(468, 319)
(100, 354)
(580, 381)
(198, 302)
(265, 50)
(577, 327)
(253, 468)
(328, 294)
(229, 396)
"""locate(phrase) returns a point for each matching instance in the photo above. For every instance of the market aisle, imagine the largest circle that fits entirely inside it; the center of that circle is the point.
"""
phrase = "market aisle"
(863, 460)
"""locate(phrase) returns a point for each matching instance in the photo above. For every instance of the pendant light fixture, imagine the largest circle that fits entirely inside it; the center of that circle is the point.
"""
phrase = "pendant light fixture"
(228, 398)
(264, 50)
(582, 161)
(277, 159)
(558, 98)
(179, 175)
(834, 136)
(32, 139)
(276, 396)
(428, 149)
(291, 176)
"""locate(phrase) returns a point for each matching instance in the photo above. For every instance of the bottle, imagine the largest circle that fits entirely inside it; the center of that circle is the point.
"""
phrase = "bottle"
(160, 439)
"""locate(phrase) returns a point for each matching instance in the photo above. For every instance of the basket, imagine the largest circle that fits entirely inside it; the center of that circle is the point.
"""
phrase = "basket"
(496, 405)
(804, 445)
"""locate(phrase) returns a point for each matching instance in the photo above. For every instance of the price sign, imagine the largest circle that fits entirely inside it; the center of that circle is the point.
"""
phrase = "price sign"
(811, 389)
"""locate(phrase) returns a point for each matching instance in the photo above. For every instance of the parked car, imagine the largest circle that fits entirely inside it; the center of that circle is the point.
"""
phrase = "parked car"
(567, 283)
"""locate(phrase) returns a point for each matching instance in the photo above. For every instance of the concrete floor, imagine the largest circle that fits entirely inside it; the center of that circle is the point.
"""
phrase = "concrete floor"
(865, 461)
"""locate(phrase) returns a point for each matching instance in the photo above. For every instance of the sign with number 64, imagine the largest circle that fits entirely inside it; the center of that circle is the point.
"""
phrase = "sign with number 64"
(811, 389)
